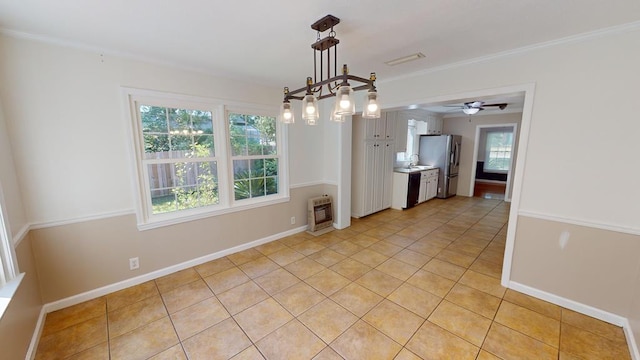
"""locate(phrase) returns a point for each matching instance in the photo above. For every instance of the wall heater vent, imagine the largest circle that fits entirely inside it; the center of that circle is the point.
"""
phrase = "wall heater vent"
(320, 215)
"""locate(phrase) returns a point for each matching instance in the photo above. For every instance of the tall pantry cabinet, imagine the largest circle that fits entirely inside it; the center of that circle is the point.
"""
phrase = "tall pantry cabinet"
(373, 154)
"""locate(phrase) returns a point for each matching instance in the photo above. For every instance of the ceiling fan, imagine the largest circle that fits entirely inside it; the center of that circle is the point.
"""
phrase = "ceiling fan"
(473, 107)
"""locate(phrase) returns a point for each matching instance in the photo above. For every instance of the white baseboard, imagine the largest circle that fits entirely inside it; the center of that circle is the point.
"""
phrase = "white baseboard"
(631, 342)
(35, 338)
(583, 309)
(96, 293)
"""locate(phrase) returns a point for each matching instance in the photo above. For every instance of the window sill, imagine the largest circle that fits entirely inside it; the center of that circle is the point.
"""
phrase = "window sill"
(8, 291)
(157, 223)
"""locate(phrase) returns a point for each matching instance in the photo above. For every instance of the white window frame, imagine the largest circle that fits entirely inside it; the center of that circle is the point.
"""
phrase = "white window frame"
(278, 155)
(9, 277)
(219, 110)
(486, 169)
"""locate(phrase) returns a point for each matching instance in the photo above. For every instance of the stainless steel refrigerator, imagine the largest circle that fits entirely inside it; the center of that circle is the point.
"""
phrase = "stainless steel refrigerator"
(443, 152)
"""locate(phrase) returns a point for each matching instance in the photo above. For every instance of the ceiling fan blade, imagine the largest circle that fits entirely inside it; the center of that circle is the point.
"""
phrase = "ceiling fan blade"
(502, 106)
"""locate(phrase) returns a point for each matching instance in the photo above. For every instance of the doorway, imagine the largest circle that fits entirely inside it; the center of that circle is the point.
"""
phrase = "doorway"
(493, 161)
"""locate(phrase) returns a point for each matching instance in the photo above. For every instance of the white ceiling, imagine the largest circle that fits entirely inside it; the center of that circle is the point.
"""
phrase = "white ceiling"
(268, 42)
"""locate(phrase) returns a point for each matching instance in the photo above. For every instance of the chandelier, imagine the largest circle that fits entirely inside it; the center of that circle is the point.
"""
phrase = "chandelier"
(323, 85)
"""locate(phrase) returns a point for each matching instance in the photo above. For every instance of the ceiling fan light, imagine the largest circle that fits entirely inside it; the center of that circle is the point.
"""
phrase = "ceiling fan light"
(371, 105)
(470, 110)
(310, 109)
(286, 113)
(344, 101)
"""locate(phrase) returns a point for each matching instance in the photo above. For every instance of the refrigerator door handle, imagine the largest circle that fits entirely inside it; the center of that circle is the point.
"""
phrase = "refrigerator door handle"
(457, 154)
(452, 157)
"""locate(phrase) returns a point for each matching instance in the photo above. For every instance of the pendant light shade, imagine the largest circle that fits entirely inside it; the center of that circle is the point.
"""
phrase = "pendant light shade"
(344, 101)
(371, 105)
(286, 113)
(310, 109)
(336, 118)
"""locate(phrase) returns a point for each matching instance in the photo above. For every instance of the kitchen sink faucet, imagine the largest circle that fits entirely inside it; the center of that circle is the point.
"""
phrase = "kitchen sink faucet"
(413, 160)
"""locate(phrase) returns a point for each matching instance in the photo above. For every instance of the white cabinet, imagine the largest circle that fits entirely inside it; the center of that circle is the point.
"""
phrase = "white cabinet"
(427, 123)
(432, 184)
(383, 128)
(434, 124)
(421, 127)
(422, 194)
(372, 165)
(428, 185)
(401, 133)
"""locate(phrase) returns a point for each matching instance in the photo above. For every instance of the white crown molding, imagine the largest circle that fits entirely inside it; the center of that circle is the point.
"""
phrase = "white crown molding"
(521, 50)
(110, 52)
(580, 222)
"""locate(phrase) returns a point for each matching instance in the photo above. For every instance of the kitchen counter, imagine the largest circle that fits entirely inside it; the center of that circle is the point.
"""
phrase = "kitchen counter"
(413, 169)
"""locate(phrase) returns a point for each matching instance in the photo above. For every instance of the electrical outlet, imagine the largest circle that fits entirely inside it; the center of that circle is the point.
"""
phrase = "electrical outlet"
(134, 263)
(293, 220)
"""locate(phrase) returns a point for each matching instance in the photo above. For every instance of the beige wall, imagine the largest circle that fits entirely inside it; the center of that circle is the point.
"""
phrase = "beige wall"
(593, 266)
(80, 257)
(19, 321)
(579, 163)
(466, 127)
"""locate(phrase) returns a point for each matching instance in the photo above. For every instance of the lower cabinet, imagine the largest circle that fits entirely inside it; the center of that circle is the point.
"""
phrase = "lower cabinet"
(431, 184)
(410, 189)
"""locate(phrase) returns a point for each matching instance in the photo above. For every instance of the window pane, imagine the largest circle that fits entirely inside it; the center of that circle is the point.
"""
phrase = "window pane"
(160, 176)
(162, 201)
(241, 169)
(271, 185)
(257, 187)
(257, 168)
(242, 189)
(203, 146)
(183, 185)
(238, 145)
(179, 121)
(202, 122)
(154, 119)
(156, 146)
(271, 167)
(186, 197)
(180, 144)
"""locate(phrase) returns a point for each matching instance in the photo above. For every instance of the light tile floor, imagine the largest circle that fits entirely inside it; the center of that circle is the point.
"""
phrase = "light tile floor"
(416, 284)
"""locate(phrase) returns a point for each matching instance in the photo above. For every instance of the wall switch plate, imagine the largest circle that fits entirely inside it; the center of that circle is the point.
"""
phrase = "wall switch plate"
(134, 263)
(293, 220)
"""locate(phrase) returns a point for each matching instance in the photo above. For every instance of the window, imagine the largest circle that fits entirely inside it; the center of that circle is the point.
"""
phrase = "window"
(7, 264)
(194, 159)
(498, 152)
(254, 155)
(179, 158)
(9, 277)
